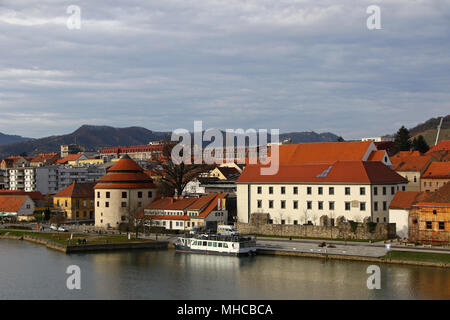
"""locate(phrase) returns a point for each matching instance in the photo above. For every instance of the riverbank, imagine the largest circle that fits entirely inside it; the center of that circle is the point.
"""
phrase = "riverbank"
(393, 257)
(82, 243)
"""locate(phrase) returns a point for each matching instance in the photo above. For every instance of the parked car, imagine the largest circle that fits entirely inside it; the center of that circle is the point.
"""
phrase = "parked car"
(54, 227)
(63, 229)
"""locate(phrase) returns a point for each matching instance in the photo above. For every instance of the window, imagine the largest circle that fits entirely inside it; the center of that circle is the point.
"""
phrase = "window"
(259, 203)
(283, 204)
(362, 206)
(124, 204)
(403, 188)
(347, 206)
(150, 194)
(295, 204)
(124, 195)
(98, 203)
(259, 190)
(415, 179)
(384, 219)
(271, 204)
(331, 205)
(108, 195)
(384, 205)
(392, 190)
(441, 225)
(347, 191)
(140, 194)
(270, 190)
(295, 190)
(309, 204)
(320, 190)
(283, 222)
(375, 191)
(309, 190)
(434, 212)
(331, 190)
(375, 206)
(429, 225)
(270, 221)
(283, 190)
(107, 204)
(295, 222)
(362, 191)
(320, 205)
(384, 191)
(98, 194)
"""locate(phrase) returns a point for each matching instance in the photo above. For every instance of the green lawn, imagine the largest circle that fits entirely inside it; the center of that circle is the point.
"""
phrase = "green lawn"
(62, 238)
(419, 256)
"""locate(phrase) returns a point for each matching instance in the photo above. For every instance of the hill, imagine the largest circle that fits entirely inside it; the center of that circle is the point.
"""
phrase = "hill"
(95, 137)
(428, 130)
(8, 139)
(91, 137)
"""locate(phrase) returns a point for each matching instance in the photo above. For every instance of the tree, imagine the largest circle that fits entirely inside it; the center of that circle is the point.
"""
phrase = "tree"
(134, 220)
(420, 144)
(340, 139)
(401, 142)
(174, 177)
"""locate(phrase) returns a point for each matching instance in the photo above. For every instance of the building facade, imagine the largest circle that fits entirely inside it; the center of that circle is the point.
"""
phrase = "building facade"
(122, 194)
(436, 175)
(76, 201)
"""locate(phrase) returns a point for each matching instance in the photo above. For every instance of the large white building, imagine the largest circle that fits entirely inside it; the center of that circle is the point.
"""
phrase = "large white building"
(301, 193)
(50, 179)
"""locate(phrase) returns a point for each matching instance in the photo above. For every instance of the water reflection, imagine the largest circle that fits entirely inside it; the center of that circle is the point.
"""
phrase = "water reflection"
(30, 271)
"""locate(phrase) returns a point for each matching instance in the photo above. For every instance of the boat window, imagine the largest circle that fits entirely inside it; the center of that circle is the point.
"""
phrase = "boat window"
(209, 244)
(215, 244)
(220, 244)
(205, 243)
(194, 243)
(225, 245)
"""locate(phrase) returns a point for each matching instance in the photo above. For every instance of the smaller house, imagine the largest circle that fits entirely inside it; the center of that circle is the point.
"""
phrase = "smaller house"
(186, 213)
(72, 158)
(430, 217)
(76, 201)
(436, 175)
(400, 208)
(44, 159)
(411, 165)
(19, 207)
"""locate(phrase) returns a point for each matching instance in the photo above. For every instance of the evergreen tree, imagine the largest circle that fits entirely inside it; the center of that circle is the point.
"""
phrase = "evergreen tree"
(420, 144)
(401, 142)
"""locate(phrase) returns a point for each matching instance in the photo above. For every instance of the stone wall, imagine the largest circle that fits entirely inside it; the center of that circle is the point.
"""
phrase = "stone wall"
(259, 224)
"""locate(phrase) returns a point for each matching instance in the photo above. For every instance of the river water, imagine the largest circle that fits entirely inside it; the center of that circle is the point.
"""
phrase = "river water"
(30, 271)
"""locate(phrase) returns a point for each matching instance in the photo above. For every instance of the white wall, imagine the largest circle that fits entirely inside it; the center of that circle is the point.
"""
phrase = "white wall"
(401, 218)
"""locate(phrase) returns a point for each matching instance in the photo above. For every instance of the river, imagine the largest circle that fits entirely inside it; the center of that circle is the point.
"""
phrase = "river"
(30, 271)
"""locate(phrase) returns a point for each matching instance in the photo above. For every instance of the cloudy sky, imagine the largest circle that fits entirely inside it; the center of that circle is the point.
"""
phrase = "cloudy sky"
(295, 65)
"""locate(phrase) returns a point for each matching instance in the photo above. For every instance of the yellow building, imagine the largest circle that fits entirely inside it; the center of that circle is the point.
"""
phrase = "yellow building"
(76, 201)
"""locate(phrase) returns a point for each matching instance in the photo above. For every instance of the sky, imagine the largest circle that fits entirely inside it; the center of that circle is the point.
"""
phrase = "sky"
(293, 65)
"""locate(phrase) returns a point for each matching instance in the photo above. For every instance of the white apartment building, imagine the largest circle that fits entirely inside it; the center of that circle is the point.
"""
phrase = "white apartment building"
(302, 193)
(50, 179)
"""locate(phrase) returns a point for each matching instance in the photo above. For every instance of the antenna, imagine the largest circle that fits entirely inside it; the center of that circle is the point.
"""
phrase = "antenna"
(438, 131)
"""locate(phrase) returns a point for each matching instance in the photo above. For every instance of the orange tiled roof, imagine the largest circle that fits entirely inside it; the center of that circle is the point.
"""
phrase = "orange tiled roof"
(323, 152)
(34, 195)
(43, 157)
(133, 149)
(437, 170)
(410, 161)
(70, 157)
(11, 203)
(78, 190)
(338, 172)
(442, 145)
(125, 174)
(404, 200)
(377, 155)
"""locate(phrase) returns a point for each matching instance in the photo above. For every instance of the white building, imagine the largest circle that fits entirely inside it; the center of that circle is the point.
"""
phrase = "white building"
(399, 210)
(304, 192)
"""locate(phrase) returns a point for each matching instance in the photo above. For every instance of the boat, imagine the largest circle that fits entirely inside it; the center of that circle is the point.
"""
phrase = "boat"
(235, 245)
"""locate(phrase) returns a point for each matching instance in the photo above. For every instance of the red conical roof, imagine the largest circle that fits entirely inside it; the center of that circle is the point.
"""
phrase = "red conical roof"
(125, 174)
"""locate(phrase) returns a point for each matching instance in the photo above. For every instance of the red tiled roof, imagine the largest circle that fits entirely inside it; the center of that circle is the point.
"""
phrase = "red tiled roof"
(437, 170)
(441, 196)
(410, 162)
(78, 190)
(442, 145)
(133, 149)
(34, 195)
(125, 174)
(323, 152)
(45, 157)
(339, 172)
(377, 155)
(404, 200)
(11, 203)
